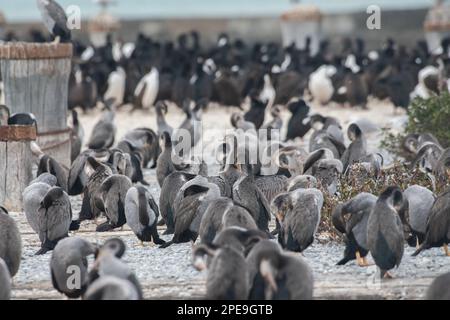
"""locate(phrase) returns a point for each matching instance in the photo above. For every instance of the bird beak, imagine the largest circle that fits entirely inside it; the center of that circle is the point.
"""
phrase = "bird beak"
(96, 264)
(267, 273)
(280, 216)
(199, 263)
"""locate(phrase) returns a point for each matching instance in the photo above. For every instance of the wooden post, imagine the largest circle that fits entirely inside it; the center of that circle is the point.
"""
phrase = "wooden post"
(15, 164)
(36, 77)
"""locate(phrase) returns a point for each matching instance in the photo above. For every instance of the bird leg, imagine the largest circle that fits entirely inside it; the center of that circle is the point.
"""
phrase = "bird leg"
(366, 263)
(358, 259)
(388, 275)
(362, 262)
(417, 243)
(447, 253)
(142, 244)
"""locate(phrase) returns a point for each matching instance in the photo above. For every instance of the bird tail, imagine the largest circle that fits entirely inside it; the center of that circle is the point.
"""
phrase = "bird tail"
(343, 261)
(74, 225)
(419, 250)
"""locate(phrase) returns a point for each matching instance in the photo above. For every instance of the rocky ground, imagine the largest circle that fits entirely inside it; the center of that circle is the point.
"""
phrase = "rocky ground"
(168, 273)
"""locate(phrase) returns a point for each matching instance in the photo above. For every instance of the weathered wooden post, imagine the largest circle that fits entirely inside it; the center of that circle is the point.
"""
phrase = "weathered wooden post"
(15, 164)
(36, 78)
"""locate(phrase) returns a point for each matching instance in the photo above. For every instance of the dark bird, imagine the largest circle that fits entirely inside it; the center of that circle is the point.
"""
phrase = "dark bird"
(70, 256)
(271, 185)
(33, 195)
(108, 263)
(111, 200)
(48, 164)
(76, 137)
(141, 143)
(169, 190)
(55, 19)
(239, 238)
(202, 81)
(327, 134)
(350, 218)
(439, 289)
(226, 89)
(227, 276)
(238, 122)
(190, 205)
(356, 89)
(5, 281)
(54, 218)
(22, 119)
(298, 125)
(298, 213)
(78, 177)
(385, 238)
(420, 201)
(274, 275)
(249, 196)
(10, 243)
(111, 288)
(256, 113)
(220, 214)
(163, 126)
(83, 90)
(437, 233)
(328, 172)
(275, 125)
(142, 214)
(97, 173)
(191, 126)
(104, 131)
(164, 164)
(357, 148)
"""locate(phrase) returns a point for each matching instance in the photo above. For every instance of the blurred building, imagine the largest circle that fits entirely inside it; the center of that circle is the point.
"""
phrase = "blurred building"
(255, 20)
(437, 25)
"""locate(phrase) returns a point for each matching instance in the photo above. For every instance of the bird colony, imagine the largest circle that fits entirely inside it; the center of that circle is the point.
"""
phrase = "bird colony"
(250, 228)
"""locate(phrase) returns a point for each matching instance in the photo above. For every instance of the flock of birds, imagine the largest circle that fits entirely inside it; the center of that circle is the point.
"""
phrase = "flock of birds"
(230, 213)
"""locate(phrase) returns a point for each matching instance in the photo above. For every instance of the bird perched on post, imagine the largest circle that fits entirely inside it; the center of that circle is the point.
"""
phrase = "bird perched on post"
(55, 19)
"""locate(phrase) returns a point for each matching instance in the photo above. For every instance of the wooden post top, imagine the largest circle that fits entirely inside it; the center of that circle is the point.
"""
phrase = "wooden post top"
(17, 133)
(35, 51)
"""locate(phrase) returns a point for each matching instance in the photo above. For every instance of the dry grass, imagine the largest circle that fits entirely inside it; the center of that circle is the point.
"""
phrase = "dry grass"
(359, 181)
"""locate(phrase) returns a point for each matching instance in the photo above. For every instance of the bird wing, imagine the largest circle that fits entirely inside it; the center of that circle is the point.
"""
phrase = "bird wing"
(53, 14)
(338, 144)
(153, 206)
(263, 204)
(439, 219)
(271, 186)
(102, 135)
(58, 218)
(355, 218)
(144, 219)
(225, 188)
(185, 213)
(76, 169)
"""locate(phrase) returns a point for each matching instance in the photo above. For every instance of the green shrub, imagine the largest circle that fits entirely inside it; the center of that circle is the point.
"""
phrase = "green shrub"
(397, 174)
(424, 116)
(431, 116)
